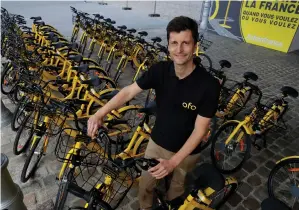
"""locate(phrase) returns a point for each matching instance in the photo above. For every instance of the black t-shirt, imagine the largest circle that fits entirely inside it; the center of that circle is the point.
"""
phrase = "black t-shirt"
(179, 101)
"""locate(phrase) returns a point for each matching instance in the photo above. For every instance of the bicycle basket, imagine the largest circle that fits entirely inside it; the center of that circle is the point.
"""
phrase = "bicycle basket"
(111, 181)
(66, 147)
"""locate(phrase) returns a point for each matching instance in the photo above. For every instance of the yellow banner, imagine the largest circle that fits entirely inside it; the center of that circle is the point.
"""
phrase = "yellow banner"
(270, 24)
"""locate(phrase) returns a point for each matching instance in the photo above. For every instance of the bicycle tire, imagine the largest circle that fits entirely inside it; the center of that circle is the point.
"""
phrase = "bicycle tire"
(62, 192)
(271, 179)
(16, 145)
(99, 71)
(24, 176)
(17, 113)
(101, 52)
(109, 63)
(16, 94)
(242, 106)
(74, 34)
(208, 64)
(216, 156)
(205, 144)
(3, 74)
(228, 193)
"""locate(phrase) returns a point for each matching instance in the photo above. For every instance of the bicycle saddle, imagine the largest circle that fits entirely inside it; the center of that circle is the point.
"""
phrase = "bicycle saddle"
(142, 33)
(36, 18)
(156, 39)
(50, 36)
(273, 204)
(25, 27)
(289, 91)
(149, 109)
(109, 95)
(250, 75)
(123, 27)
(93, 81)
(206, 175)
(225, 64)
(76, 58)
(132, 30)
(82, 68)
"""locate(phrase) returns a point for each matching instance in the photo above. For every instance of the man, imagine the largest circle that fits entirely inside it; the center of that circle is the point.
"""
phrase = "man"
(186, 97)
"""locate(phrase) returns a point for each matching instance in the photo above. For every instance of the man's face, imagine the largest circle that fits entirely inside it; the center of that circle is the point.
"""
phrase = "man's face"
(181, 47)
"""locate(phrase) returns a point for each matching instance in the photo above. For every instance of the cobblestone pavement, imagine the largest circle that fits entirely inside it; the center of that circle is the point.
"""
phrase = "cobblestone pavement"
(274, 69)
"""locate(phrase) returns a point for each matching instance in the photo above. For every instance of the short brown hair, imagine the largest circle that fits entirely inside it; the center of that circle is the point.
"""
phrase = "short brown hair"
(183, 23)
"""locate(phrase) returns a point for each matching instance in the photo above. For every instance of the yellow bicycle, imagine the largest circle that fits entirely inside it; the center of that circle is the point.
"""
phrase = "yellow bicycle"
(232, 142)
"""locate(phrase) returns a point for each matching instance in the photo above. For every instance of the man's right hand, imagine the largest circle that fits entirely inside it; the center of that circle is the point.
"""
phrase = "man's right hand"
(94, 123)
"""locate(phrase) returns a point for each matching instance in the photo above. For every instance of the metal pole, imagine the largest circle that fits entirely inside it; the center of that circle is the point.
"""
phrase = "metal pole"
(6, 115)
(205, 15)
(11, 194)
(201, 11)
(155, 7)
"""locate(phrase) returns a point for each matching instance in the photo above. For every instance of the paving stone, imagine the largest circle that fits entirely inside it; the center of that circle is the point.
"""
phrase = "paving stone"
(41, 172)
(53, 167)
(47, 205)
(263, 172)
(234, 199)
(281, 143)
(251, 203)
(51, 191)
(254, 180)
(274, 148)
(249, 166)
(277, 157)
(241, 207)
(133, 193)
(31, 186)
(240, 175)
(49, 180)
(288, 152)
(258, 159)
(267, 154)
(261, 193)
(42, 196)
(125, 201)
(244, 189)
(29, 199)
(225, 206)
(270, 164)
(31, 207)
(135, 205)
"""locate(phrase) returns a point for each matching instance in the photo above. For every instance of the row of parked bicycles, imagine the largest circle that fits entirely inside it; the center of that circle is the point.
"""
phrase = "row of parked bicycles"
(56, 87)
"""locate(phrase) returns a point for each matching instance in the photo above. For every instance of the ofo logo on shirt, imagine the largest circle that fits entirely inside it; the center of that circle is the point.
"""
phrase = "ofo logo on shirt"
(189, 106)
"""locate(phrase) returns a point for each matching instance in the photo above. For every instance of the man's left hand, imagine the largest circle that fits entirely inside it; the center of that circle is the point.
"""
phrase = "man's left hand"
(161, 170)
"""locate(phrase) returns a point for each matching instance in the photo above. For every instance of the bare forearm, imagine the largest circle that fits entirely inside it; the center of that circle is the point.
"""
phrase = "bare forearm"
(192, 142)
(121, 98)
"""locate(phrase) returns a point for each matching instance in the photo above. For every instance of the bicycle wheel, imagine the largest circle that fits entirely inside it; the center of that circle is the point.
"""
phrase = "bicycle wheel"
(35, 154)
(62, 194)
(18, 115)
(96, 71)
(23, 137)
(206, 61)
(283, 182)
(205, 142)
(230, 157)
(236, 106)
(8, 79)
(220, 197)
(75, 34)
